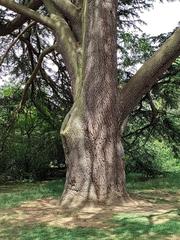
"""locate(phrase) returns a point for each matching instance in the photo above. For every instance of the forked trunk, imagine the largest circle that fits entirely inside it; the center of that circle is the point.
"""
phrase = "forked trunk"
(90, 132)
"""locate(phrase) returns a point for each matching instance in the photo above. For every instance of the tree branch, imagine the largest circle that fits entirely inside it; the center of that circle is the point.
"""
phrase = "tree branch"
(28, 12)
(72, 13)
(30, 81)
(149, 74)
(14, 42)
(68, 46)
(68, 9)
(18, 21)
(153, 107)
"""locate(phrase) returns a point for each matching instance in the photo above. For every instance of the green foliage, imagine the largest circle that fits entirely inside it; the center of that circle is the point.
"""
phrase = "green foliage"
(152, 135)
(30, 145)
(154, 158)
(7, 91)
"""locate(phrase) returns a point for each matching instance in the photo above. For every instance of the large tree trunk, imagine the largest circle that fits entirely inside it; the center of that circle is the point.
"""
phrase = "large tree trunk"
(90, 132)
(94, 153)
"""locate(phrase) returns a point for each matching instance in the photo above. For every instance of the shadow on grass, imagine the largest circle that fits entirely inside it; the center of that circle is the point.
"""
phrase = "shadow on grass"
(15, 194)
(12, 195)
(147, 227)
(43, 232)
(125, 227)
(162, 190)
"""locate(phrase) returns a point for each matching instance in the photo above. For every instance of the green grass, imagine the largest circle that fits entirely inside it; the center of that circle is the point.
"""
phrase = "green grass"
(129, 226)
(142, 227)
(126, 226)
(43, 232)
(169, 182)
(12, 195)
(155, 189)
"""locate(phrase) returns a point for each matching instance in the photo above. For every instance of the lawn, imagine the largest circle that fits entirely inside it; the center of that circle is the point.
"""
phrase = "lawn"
(30, 211)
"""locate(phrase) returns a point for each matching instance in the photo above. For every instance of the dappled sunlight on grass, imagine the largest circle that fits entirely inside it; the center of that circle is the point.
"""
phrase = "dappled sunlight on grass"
(154, 226)
(15, 194)
(43, 232)
(128, 226)
(162, 190)
(30, 211)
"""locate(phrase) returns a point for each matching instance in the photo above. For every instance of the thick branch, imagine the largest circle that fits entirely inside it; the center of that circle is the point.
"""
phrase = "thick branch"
(28, 12)
(68, 46)
(69, 49)
(68, 9)
(8, 28)
(149, 74)
(72, 13)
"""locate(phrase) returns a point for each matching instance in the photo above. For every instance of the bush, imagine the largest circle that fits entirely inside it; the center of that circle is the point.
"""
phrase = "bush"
(155, 158)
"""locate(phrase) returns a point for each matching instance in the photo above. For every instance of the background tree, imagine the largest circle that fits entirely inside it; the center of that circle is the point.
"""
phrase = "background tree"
(33, 142)
(86, 39)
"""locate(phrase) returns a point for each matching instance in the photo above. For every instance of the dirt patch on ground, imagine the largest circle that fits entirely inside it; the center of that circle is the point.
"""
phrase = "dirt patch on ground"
(47, 211)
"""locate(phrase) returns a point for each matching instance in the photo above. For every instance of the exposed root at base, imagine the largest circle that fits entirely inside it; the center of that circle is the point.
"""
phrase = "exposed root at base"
(73, 202)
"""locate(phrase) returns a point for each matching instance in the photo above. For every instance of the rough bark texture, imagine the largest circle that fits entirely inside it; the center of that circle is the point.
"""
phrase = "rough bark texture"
(87, 43)
(94, 153)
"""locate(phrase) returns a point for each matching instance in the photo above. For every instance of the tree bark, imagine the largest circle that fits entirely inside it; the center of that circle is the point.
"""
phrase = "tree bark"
(90, 132)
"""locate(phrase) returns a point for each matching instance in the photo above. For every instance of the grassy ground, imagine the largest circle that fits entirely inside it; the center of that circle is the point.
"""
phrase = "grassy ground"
(12, 195)
(30, 211)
